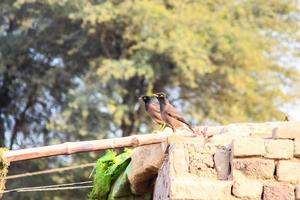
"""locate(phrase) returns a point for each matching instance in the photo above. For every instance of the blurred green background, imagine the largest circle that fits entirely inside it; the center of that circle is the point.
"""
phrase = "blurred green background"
(72, 70)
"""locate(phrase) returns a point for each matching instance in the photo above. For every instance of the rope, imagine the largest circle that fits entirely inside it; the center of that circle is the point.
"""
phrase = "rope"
(55, 189)
(92, 172)
(49, 187)
(48, 171)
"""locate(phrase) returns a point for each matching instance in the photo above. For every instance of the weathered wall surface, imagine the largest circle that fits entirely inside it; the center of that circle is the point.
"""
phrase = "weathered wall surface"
(262, 162)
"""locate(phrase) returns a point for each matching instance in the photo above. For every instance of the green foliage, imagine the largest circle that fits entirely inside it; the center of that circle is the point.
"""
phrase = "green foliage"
(108, 169)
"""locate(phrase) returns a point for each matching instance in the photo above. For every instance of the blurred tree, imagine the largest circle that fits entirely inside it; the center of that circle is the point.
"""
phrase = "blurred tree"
(72, 69)
(213, 55)
(35, 72)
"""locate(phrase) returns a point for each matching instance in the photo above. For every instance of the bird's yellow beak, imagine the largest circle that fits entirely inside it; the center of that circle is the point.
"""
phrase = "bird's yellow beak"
(155, 95)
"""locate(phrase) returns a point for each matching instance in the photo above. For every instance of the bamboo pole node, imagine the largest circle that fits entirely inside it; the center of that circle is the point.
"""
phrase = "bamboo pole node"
(68, 148)
(112, 144)
(135, 142)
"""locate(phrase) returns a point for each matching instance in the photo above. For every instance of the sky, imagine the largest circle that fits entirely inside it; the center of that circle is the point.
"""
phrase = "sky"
(289, 59)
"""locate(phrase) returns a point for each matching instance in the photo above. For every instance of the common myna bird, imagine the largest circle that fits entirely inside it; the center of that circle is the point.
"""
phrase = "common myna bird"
(169, 113)
(153, 109)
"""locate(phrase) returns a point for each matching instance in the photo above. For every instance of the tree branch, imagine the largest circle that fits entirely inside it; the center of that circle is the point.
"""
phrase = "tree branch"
(20, 120)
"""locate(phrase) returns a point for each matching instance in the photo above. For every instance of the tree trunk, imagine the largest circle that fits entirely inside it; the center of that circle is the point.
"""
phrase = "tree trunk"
(2, 133)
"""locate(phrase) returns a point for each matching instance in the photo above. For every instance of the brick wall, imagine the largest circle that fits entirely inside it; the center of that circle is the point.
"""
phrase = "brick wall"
(264, 165)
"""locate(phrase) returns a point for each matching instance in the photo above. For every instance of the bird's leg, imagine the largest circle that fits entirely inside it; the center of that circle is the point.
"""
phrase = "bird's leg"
(156, 130)
(159, 128)
(173, 132)
(163, 126)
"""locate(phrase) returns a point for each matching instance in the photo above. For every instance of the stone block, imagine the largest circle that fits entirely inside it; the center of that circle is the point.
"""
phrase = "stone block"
(195, 189)
(248, 147)
(180, 137)
(279, 149)
(259, 168)
(288, 130)
(178, 161)
(278, 191)
(162, 183)
(288, 171)
(145, 163)
(200, 160)
(297, 147)
(297, 192)
(247, 188)
(262, 134)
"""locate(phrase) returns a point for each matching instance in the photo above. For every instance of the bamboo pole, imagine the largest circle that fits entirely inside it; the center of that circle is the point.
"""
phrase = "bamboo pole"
(246, 129)
(84, 146)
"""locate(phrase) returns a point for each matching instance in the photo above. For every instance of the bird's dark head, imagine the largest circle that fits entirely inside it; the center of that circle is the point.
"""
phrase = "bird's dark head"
(145, 98)
(160, 95)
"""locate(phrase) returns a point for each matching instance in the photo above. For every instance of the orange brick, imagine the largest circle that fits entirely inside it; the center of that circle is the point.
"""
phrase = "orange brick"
(278, 191)
(253, 167)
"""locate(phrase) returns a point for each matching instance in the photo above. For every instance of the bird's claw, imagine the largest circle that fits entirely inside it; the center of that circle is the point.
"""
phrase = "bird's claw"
(203, 133)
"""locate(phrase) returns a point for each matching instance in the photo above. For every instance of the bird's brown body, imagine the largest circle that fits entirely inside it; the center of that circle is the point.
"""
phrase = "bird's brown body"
(170, 115)
(153, 110)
